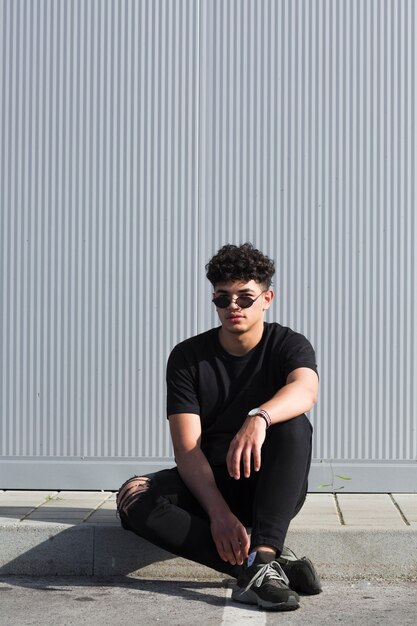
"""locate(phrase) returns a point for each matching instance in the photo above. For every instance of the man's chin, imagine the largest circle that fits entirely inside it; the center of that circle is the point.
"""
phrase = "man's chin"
(235, 329)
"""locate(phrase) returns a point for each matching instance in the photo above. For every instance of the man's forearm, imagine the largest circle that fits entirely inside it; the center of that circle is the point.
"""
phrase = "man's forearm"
(290, 401)
(197, 474)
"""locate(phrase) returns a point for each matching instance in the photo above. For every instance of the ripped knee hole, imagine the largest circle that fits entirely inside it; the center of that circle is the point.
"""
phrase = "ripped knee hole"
(130, 491)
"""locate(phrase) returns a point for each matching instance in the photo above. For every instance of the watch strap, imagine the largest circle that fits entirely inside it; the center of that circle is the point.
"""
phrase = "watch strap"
(265, 415)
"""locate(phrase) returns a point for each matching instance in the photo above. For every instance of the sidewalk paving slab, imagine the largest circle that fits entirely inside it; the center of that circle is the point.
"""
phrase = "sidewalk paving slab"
(319, 510)
(376, 509)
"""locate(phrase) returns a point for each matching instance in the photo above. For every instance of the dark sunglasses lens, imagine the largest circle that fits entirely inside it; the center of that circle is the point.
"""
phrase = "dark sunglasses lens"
(221, 302)
(244, 302)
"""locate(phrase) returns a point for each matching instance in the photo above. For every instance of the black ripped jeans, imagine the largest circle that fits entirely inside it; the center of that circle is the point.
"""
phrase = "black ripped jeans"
(167, 514)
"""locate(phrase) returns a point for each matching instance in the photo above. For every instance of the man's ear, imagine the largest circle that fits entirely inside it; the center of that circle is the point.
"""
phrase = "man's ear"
(268, 297)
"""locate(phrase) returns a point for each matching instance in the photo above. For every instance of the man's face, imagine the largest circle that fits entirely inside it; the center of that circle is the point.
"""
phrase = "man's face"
(235, 318)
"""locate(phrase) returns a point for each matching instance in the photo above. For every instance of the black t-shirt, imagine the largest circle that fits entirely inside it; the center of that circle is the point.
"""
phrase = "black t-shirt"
(204, 379)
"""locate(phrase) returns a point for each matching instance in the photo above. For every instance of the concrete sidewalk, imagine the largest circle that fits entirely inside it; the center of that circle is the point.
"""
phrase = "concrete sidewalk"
(44, 533)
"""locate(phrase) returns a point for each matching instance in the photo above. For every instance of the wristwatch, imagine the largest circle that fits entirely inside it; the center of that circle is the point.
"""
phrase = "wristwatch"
(262, 413)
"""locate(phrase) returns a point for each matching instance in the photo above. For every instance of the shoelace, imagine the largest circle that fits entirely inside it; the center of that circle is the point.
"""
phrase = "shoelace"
(272, 570)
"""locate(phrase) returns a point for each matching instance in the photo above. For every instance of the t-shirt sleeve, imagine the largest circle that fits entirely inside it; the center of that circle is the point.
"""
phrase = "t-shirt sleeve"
(296, 352)
(181, 384)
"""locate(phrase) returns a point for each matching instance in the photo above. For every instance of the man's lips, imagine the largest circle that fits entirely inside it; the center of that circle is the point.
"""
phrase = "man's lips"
(235, 318)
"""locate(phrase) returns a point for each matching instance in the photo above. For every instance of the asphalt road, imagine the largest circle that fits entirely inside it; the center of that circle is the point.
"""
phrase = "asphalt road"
(94, 602)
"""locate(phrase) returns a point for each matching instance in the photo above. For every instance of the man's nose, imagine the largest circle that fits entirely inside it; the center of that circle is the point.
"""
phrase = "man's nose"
(233, 304)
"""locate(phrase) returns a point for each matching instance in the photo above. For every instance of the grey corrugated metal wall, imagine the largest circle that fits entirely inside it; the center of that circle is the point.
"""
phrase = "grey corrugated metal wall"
(138, 137)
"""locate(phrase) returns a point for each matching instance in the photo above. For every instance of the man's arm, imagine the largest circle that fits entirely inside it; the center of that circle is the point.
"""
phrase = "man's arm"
(298, 395)
(229, 535)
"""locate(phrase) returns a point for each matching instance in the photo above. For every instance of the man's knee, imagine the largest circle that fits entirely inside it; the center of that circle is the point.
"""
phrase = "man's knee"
(130, 494)
(297, 429)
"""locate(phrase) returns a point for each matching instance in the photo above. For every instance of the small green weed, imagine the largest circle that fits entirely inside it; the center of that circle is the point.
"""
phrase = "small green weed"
(332, 485)
(49, 498)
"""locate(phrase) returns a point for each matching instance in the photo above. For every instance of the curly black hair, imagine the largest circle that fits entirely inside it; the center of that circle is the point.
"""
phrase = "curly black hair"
(242, 263)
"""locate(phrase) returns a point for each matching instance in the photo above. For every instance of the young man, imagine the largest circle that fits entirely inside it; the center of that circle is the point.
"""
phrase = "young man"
(236, 400)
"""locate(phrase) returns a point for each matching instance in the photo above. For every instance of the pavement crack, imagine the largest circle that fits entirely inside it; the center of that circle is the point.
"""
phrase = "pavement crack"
(397, 506)
(48, 498)
(339, 510)
(97, 507)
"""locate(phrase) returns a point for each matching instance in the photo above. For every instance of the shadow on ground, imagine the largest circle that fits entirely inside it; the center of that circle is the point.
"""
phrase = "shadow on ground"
(180, 589)
(44, 547)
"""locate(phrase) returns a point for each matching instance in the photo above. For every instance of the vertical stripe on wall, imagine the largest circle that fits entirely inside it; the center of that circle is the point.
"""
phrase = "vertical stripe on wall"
(138, 137)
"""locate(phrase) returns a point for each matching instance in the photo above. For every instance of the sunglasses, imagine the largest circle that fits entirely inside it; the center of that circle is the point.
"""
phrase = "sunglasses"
(243, 302)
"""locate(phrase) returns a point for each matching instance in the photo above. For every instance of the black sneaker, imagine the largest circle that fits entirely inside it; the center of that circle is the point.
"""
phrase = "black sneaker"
(266, 585)
(301, 574)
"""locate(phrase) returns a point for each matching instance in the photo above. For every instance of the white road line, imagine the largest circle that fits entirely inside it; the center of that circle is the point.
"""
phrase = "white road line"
(235, 614)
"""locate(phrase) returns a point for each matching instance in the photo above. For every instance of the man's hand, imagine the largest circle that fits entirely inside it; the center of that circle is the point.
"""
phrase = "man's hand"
(245, 444)
(231, 539)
